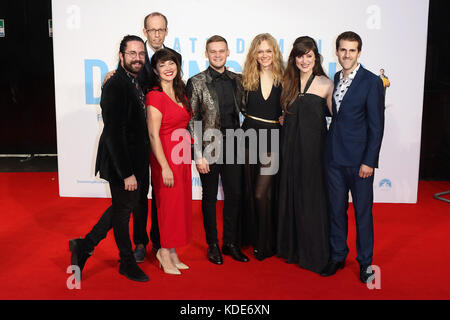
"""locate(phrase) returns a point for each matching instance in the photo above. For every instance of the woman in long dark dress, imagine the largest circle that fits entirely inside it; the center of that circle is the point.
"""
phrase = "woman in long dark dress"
(262, 75)
(306, 99)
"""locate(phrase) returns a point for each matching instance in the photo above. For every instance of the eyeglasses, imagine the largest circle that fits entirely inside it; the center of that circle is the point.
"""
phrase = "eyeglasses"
(154, 31)
(134, 54)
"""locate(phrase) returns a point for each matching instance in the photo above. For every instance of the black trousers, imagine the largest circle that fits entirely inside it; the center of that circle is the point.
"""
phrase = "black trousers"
(123, 203)
(231, 175)
(154, 229)
(140, 217)
(140, 214)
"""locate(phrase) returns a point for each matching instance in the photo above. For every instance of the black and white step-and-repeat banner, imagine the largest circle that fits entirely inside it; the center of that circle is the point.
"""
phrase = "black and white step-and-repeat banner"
(87, 35)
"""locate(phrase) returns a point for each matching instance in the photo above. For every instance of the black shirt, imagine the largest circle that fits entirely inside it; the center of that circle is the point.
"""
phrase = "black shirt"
(225, 93)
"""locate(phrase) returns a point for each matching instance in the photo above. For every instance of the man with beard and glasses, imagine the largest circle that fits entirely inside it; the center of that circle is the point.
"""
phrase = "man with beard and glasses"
(155, 30)
(122, 158)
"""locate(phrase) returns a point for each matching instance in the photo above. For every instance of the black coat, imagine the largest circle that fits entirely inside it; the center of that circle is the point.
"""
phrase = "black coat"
(124, 145)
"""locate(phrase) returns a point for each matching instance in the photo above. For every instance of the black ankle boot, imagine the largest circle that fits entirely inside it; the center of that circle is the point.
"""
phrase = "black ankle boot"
(132, 271)
(80, 253)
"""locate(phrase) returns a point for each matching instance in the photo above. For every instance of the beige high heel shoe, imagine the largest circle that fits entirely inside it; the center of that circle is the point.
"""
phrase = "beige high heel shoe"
(166, 269)
(180, 265)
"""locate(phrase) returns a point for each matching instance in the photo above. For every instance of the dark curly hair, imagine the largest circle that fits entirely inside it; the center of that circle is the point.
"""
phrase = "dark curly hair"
(179, 87)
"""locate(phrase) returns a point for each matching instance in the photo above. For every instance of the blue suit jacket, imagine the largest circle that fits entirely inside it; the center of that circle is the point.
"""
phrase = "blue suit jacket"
(356, 131)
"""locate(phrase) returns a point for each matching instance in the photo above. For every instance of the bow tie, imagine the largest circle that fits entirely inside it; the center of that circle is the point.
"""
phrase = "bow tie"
(220, 76)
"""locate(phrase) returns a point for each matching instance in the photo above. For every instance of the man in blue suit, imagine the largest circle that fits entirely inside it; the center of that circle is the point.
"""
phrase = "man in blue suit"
(351, 154)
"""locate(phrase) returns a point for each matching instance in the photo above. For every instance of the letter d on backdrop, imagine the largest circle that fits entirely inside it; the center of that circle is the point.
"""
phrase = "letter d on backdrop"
(89, 66)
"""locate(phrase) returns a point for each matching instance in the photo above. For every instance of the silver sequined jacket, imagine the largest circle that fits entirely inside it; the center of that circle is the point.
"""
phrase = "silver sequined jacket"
(205, 105)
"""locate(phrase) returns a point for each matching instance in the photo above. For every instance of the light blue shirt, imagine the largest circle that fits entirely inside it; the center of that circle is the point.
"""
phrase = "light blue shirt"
(150, 51)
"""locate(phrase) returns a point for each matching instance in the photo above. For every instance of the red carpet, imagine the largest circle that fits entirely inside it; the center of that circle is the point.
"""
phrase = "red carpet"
(411, 248)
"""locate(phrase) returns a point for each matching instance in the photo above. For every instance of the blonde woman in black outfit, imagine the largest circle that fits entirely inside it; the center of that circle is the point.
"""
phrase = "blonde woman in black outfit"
(262, 76)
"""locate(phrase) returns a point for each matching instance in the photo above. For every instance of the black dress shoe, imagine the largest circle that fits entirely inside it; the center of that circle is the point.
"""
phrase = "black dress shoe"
(366, 274)
(80, 253)
(132, 272)
(234, 252)
(261, 255)
(214, 254)
(332, 267)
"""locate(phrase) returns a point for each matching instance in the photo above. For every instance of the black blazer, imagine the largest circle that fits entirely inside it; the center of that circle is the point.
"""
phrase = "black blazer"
(144, 74)
(356, 131)
(124, 145)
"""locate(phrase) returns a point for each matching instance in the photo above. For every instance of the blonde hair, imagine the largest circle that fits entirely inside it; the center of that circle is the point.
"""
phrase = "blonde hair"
(250, 74)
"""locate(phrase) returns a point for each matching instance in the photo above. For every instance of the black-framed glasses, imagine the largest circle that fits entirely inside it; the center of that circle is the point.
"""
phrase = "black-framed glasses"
(154, 31)
(134, 54)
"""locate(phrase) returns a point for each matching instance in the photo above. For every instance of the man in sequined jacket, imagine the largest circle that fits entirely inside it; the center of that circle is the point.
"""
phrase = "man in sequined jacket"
(216, 96)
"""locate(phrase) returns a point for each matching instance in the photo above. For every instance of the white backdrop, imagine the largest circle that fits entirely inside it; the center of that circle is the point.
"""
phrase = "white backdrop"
(87, 36)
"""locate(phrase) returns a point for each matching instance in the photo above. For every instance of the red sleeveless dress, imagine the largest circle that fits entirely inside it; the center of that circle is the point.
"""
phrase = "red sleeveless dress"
(174, 204)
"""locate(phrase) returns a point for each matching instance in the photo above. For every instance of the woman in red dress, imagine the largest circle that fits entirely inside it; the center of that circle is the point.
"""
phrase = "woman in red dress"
(168, 114)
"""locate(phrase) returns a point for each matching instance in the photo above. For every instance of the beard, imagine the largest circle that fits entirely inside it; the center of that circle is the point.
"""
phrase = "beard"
(133, 66)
